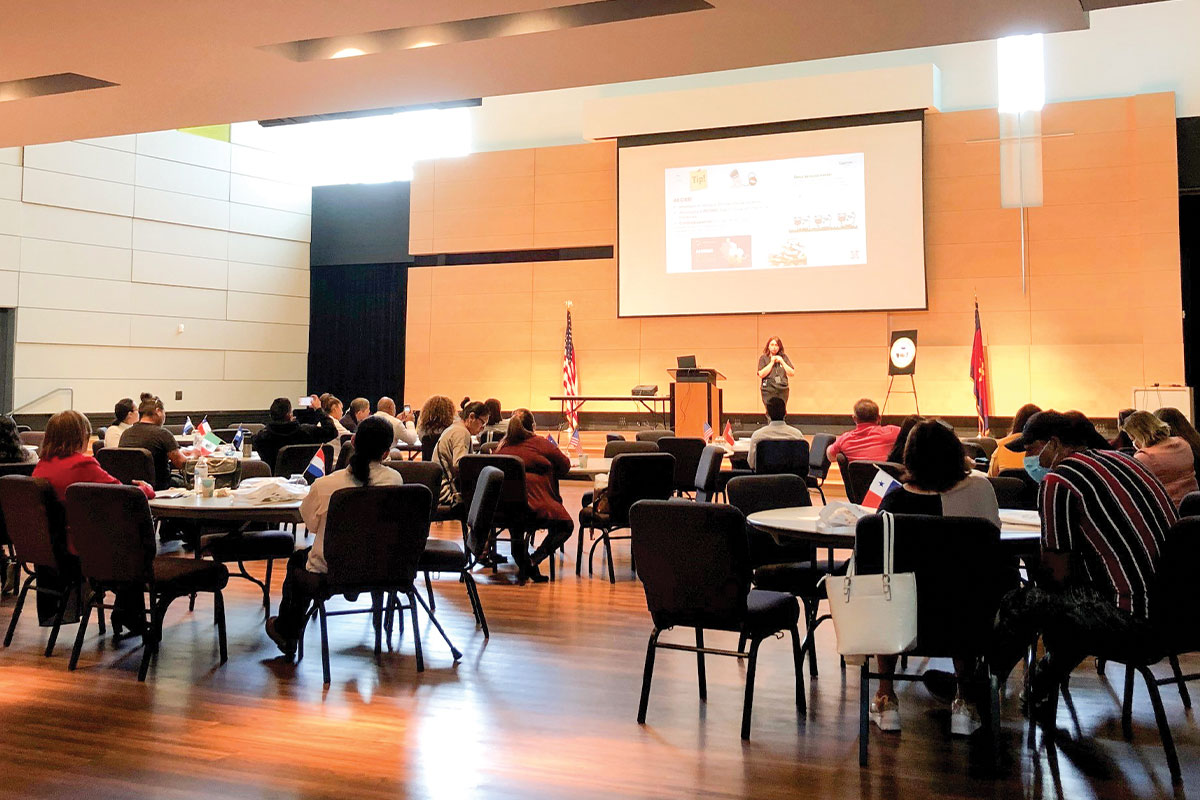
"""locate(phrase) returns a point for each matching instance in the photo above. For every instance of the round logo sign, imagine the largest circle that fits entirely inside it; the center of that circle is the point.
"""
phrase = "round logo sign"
(904, 350)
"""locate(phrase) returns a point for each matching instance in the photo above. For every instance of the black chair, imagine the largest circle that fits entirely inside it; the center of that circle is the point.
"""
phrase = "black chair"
(343, 457)
(429, 474)
(128, 464)
(614, 437)
(1189, 506)
(23, 428)
(441, 555)
(374, 537)
(818, 462)
(36, 527)
(18, 468)
(631, 477)
(612, 449)
(513, 513)
(687, 458)
(653, 435)
(782, 457)
(1030, 493)
(293, 459)
(488, 448)
(961, 575)
(113, 533)
(32, 438)
(254, 468)
(490, 436)
(859, 474)
(986, 443)
(1014, 493)
(704, 483)
(227, 434)
(695, 567)
(174, 430)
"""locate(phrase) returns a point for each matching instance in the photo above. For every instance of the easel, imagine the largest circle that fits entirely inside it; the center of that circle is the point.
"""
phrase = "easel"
(912, 382)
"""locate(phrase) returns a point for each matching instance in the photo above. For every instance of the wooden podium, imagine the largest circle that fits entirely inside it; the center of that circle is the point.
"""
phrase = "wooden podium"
(695, 399)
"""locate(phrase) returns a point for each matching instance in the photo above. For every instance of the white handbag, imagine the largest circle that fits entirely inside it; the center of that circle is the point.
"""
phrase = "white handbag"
(874, 614)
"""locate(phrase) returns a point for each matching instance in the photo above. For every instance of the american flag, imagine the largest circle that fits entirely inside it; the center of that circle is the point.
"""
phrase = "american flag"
(979, 376)
(708, 432)
(570, 382)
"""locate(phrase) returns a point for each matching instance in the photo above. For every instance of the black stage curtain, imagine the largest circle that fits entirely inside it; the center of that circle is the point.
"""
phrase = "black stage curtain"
(356, 331)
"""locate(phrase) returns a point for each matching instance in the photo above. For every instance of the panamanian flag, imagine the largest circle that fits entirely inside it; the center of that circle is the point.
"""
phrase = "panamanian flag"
(316, 467)
(881, 485)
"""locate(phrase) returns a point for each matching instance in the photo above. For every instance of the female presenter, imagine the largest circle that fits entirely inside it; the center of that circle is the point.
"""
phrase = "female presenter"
(774, 369)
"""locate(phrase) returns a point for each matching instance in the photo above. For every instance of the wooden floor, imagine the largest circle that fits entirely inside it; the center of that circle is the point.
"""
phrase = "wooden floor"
(545, 709)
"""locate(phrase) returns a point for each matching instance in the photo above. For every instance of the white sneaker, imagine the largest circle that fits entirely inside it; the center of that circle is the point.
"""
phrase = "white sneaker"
(964, 720)
(885, 713)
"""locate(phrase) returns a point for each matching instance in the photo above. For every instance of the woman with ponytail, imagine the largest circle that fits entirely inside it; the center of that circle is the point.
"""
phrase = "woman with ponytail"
(306, 568)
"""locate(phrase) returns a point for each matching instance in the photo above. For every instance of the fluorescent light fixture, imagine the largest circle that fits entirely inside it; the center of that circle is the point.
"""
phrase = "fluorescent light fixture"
(421, 44)
(1021, 65)
(349, 52)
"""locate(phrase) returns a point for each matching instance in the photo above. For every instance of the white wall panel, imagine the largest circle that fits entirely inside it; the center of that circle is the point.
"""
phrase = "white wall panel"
(170, 301)
(185, 147)
(269, 280)
(80, 260)
(269, 222)
(185, 209)
(69, 225)
(246, 366)
(263, 164)
(71, 327)
(10, 252)
(265, 250)
(84, 160)
(174, 176)
(9, 289)
(98, 395)
(126, 142)
(10, 217)
(270, 194)
(72, 191)
(10, 182)
(183, 240)
(10, 155)
(210, 334)
(173, 270)
(89, 362)
(74, 294)
(268, 308)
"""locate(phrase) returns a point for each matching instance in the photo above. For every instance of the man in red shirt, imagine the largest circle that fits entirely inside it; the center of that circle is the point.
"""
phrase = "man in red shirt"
(869, 441)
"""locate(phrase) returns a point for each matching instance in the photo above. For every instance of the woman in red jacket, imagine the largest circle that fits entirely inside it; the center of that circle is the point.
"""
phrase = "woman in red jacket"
(65, 460)
(544, 465)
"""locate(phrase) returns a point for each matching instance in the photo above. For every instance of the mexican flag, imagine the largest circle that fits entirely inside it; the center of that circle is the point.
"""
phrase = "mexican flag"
(209, 441)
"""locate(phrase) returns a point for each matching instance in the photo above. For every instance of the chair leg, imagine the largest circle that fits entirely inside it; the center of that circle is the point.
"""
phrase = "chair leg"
(416, 630)
(810, 618)
(579, 553)
(1127, 705)
(1164, 730)
(192, 601)
(267, 586)
(324, 642)
(700, 665)
(453, 650)
(647, 674)
(748, 703)
(377, 624)
(473, 592)
(58, 618)
(12, 624)
(798, 665)
(219, 615)
(1183, 690)
(864, 712)
(429, 591)
(612, 575)
(153, 634)
(741, 643)
(1100, 664)
(79, 634)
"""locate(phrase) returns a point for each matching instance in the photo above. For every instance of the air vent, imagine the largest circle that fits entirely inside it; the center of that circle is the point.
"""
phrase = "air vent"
(60, 83)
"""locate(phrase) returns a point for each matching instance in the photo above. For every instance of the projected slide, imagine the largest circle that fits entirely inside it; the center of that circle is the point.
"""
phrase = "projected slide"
(782, 214)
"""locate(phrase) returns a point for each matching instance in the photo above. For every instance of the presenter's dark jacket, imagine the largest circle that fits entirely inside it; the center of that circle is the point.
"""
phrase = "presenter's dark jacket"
(777, 379)
(544, 465)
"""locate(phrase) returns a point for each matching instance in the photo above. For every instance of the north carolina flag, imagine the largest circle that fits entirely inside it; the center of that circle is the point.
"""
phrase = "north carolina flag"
(881, 485)
(316, 467)
(728, 433)
(209, 441)
(708, 433)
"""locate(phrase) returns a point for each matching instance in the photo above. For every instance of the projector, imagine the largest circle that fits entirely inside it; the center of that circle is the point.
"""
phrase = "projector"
(644, 390)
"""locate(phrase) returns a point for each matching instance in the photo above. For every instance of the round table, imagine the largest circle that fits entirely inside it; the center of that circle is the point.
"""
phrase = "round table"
(225, 509)
(595, 466)
(800, 524)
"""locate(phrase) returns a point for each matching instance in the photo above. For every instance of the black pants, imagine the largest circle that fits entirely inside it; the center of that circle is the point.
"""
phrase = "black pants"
(558, 531)
(300, 588)
(767, 394)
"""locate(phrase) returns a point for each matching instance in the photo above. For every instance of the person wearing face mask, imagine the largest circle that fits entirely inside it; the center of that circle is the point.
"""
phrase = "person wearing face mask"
(1105, 517)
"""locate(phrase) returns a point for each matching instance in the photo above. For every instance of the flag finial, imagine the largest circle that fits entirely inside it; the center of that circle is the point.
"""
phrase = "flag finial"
(570, 303)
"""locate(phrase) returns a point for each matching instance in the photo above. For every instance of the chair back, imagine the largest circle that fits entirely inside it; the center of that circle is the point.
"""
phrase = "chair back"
(613, 437)
(653, 435)
(961, 575)
(1189, 506)
(34, 521)
(17, 468)
(174, 430)
(128, 464)
(425, 473)
(705, 482)
(97, 446)
(32, 438)
(375, 535)
(859, 474)
(974, 451)
(343, 456)
(985, 443)
(23, 428)
(255, 468)
(514, 504)
(638, 476)
(227, 434)
(293, 459)
(818, 454)
(112, 532)
(753, 493)
(1175, 583)
(1014, 493)
(778, 456)
(490, 436)
(481, 514)
(693, 562)
(615, 447)
(686, 451)
(489, 447)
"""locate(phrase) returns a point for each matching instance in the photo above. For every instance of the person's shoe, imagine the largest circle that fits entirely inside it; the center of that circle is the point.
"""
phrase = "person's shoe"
(286, 646)
(533, 575)
(964, 719)
(885, 713)
(133, 624)
(941, 684)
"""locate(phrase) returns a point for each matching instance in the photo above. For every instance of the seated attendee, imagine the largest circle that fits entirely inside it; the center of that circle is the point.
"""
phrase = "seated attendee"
(12, 451)
(66, 460)
(436, 415)
(1181, 427)
(453, 444)
(938, 482)
(1168, 457)
(1104, 520)
(545, 464)
(359, 409)
(386, 410)
(306, 570)
(1122, 441)
(124, 416)
(148, 433)
(495, 421)
(776, 427)
(896, 455)
(1004, 458)
(283, 430)
(870, 440)
(333, 409)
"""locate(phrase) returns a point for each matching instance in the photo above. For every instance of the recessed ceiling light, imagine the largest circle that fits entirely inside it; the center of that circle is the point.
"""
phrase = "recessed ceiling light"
(349, 52)
(421, 44)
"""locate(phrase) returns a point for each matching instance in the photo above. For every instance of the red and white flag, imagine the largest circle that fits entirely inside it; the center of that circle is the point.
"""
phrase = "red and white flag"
(983, 405)
(881, 485)
(570, 381)
(727, 434)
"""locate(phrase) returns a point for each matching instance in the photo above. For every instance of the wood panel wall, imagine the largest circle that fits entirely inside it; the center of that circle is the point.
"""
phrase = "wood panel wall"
(1101, 313)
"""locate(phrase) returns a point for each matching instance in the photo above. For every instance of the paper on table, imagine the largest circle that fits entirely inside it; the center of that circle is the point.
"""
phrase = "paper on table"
(168, 494)
(1016, 516)
(840, 515)
(269, 490)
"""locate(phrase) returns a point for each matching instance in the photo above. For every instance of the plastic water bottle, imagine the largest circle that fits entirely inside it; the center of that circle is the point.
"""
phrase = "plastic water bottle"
(201, 474)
